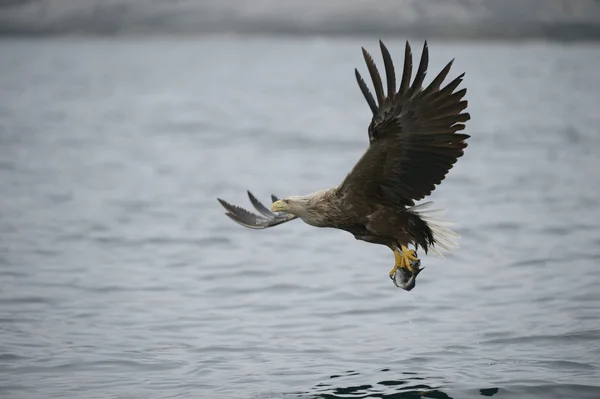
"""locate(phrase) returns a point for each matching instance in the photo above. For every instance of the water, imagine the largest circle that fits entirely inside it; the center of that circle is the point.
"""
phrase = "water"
(121, 277)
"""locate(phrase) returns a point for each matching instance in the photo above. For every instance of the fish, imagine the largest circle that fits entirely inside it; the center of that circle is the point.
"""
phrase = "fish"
(404, 278)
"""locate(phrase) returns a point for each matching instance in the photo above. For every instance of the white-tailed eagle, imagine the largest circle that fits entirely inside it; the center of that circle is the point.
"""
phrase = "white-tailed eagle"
(413, 143)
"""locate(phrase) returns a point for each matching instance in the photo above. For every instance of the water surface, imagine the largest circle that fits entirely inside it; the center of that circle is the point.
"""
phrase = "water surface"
(121, 277)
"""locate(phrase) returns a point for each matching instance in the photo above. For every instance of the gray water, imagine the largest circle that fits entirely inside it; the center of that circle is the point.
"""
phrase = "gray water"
(121, 277)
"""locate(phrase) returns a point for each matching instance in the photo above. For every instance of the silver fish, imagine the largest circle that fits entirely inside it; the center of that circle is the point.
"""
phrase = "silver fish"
(404, 278)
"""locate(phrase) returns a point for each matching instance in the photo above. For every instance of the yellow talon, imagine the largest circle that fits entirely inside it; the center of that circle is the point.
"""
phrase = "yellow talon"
(398, 261)
(403, 259)
(408, 255)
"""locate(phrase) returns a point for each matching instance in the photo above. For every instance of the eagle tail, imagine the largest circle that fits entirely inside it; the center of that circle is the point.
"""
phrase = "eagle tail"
(443, 237)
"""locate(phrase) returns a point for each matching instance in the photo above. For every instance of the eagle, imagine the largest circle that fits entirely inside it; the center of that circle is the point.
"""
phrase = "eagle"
(415, 138)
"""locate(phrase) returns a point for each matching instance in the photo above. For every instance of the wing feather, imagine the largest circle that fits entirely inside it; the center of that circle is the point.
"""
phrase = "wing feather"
(374, 76)
(248, 219)
(437, 81)
(366, 92)
(421, 71)
(413, 141)
(390, 74)
(258, 205)
(407, 71)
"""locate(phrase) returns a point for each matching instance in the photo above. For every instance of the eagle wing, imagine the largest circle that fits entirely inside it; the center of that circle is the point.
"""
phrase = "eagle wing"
(413, 139)
(251, 220)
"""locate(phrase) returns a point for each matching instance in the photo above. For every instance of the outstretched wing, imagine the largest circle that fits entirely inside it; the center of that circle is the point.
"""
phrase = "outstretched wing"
(251, 220)
(413, 139)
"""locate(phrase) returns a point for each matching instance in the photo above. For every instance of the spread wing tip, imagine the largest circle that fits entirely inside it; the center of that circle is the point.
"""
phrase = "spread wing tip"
(258, 205)
(251, 220)
(426, 117)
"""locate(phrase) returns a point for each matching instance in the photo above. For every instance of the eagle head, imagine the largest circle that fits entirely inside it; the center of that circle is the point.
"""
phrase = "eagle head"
(296, 205)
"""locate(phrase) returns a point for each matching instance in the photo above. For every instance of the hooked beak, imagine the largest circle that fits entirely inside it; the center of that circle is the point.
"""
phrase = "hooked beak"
(278, 206)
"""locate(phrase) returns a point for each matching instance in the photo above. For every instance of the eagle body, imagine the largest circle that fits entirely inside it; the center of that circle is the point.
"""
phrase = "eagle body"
(369, 221)
(414, 140)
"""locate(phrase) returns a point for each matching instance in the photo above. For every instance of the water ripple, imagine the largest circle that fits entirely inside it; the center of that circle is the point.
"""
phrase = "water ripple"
(121, 277)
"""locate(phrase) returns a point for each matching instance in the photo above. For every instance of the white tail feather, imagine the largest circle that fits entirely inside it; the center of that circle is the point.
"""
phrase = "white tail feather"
(444, 237)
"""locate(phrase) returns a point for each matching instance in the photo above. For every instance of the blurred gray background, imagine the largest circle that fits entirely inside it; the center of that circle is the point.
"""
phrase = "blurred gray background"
(517, 19)
(121, 122)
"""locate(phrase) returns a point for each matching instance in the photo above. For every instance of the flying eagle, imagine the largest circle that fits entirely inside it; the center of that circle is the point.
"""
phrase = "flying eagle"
(413, 143)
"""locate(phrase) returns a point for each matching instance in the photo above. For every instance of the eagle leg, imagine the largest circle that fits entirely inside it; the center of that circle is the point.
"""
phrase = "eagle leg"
(403, 259)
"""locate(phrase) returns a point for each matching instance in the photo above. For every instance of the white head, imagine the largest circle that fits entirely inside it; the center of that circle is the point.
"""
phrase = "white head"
(314, 209)
(297, 205)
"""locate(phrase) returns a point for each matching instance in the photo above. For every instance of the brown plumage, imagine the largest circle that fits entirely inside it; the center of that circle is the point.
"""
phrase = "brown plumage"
(413, 143)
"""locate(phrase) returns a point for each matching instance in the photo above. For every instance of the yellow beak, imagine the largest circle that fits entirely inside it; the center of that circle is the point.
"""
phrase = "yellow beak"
(278, 206)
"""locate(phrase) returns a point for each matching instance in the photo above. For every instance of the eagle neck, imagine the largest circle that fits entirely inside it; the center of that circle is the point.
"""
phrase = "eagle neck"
(321, 208)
